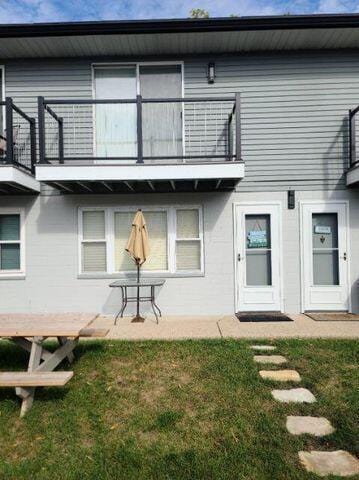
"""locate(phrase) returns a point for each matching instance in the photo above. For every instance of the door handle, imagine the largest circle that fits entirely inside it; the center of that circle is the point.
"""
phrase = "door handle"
(344, 257)
(239, 257)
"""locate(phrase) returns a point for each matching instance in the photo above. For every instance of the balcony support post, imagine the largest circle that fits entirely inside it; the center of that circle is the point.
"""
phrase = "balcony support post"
(41, 120)
(238, 128)
(9, 130)
(139, 130)
(33, 144)
(61, 140)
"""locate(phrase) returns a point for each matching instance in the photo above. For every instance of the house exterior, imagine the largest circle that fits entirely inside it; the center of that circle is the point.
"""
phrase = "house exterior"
(236, 137)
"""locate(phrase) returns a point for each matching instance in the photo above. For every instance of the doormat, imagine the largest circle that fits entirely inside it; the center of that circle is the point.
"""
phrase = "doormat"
(262, 317)
(333, 316)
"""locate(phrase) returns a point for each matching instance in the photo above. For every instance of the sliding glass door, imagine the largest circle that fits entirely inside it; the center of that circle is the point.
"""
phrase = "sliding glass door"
(116, 124)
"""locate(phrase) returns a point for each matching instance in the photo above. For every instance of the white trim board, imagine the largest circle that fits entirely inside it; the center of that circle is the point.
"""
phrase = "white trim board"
(10, 174)
(205, 171)
(352, 175)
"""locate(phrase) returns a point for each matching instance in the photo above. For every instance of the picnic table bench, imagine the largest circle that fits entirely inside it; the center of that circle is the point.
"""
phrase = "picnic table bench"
(30, 333)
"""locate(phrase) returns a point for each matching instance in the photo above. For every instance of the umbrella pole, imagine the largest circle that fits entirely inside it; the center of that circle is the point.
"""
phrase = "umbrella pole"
(138, 317)
(138, 291)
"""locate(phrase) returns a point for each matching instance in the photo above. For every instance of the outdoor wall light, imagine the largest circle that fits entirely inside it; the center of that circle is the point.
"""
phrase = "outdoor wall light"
(211, 72)
(291, 199)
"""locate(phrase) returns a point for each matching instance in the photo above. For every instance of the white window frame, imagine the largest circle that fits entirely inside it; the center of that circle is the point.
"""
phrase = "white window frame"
(82, 241)
(198, 239)
(171, 239)
(21, 241)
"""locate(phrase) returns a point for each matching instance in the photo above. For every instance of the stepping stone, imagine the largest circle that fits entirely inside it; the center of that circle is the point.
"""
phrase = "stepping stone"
(296, 395)
(280, 375)
(262, 347)
(317, 426)
(338, 463)
(274, 359)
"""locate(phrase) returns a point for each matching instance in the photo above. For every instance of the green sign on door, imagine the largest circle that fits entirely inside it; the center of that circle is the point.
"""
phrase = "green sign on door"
(257, 239)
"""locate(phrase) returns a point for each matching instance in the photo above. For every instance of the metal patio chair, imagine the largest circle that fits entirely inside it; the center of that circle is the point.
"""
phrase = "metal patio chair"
(3, 142)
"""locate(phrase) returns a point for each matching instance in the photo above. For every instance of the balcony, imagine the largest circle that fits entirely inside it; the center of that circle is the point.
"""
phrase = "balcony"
(17, 151)
(353, 171)
(140, 145)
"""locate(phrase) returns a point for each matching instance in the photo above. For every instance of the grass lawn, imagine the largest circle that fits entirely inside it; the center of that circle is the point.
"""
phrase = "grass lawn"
(176, 410)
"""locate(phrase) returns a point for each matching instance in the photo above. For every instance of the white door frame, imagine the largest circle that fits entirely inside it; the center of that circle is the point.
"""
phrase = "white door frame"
(303, 203)
(277, 204)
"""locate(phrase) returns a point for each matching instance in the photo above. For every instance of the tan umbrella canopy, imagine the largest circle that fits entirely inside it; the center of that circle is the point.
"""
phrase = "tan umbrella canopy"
(139, 249)
(137, 245)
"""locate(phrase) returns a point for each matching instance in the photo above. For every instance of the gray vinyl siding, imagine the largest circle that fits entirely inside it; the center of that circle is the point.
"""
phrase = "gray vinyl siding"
(294, 115)
(294, 109)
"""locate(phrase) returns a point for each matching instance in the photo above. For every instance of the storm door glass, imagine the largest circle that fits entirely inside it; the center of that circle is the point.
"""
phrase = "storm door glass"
(325, 249)
(258, 250)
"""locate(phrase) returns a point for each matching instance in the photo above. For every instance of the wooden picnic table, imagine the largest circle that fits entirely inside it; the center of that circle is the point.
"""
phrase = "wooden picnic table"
(29, 332)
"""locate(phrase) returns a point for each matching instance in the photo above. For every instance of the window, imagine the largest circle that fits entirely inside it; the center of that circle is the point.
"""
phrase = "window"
(175, 234)
(94, 241)
(10, 243)
(188, 240)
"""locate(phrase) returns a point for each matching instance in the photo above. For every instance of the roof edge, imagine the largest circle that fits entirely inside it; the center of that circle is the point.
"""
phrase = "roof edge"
(128, 27)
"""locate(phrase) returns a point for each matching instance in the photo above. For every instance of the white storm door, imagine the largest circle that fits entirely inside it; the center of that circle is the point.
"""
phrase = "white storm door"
(258, 246)
(325, 259)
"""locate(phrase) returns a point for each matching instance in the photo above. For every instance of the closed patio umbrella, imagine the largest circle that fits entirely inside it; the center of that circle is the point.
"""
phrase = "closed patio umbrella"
(138, 248)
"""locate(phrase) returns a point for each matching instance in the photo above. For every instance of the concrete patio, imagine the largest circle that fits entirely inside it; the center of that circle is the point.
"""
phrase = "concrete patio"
(182, 327)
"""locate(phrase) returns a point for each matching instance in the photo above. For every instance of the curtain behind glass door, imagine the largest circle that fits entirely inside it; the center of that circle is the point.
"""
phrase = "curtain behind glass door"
(162, 122)
(116, 124)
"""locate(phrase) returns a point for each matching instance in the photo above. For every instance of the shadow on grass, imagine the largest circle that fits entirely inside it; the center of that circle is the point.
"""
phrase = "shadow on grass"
(14, 358)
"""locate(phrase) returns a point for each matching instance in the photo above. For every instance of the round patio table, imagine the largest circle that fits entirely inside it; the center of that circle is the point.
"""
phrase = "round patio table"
(150, 283)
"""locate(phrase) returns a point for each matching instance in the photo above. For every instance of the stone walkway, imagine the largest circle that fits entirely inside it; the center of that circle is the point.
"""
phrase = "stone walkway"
(182, 327)
(280, 375)
(270, 359)
(322, 463)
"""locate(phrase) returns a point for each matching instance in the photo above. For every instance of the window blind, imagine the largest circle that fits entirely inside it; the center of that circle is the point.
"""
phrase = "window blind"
(10, 256)
(10, 242)
(157, 232)
(188, 255)
(187, 224)
(123, 222)
(94, 252)
(94, 225)
(188, 252)
(94, 257)
(9, 227)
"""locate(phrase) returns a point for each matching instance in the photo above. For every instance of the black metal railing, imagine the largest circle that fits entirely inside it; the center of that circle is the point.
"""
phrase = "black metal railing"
(353, 160)
(140, 130)
(17, 136)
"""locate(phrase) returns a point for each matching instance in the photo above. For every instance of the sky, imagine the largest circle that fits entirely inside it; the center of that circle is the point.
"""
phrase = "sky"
(25, 11)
